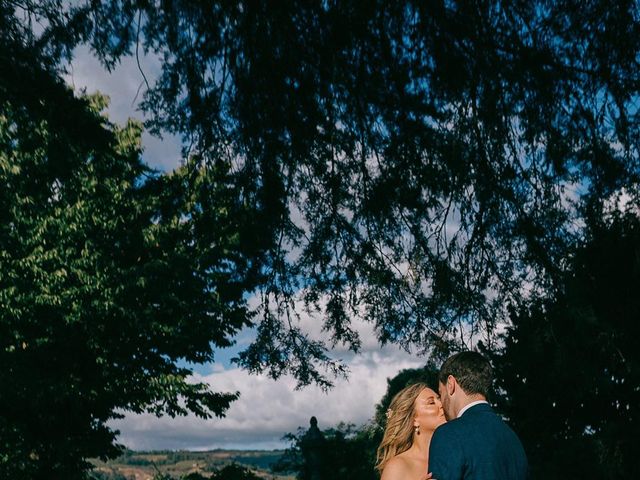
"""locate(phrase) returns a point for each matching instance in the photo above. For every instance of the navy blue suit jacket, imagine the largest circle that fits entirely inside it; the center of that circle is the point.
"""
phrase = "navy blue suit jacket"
(478, 446)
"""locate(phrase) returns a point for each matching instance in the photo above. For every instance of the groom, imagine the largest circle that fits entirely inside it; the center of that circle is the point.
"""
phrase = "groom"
(475, 443)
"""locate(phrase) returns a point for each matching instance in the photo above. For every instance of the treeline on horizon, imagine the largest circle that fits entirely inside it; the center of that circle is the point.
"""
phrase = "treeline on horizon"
(458, 174)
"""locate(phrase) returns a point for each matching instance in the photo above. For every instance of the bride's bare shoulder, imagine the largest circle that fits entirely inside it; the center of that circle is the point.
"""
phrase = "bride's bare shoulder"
(396, 469)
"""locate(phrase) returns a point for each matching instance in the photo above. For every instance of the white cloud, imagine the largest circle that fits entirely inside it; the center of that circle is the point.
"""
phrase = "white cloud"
(268, 409)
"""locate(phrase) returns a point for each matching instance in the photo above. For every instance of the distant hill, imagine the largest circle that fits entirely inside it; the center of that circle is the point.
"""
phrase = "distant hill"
(144, 465)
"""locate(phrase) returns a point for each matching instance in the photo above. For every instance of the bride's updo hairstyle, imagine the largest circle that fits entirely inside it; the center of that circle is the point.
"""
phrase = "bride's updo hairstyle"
(398, 431)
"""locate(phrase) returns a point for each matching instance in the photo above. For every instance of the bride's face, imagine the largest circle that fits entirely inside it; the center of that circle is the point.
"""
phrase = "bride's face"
(428, 410)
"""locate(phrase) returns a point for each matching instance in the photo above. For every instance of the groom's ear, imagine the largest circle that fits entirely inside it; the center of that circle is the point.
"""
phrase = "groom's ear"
(451, 385)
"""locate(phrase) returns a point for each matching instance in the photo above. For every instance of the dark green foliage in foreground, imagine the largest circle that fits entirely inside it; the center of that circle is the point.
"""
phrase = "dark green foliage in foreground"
(233, 472)
(94, 273)
(109, 274)
(570, 373)
(193, 476)
(229, 472)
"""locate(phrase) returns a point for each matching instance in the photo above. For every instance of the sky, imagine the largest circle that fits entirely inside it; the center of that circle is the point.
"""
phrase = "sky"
(266, 409)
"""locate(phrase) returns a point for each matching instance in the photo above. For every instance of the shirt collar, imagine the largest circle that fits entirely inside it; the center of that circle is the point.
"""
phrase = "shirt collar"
(467, 407)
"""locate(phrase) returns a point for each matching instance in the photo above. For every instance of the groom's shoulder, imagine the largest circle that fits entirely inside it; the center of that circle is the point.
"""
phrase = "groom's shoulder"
(452, 428)
(458, 427)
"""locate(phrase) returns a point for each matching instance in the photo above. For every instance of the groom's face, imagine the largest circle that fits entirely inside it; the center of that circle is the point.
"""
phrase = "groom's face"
(446, 400)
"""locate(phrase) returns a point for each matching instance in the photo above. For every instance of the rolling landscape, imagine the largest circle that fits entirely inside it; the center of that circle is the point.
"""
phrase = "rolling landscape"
(177, 464)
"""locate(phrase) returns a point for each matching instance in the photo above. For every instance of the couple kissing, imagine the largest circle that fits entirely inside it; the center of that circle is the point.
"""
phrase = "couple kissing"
(452, 434)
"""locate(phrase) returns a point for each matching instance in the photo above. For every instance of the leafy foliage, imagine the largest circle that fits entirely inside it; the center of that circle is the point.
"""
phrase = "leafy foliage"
(235, 472)
(570, 370)
(232, 471)
(109, 275)
(420, 165)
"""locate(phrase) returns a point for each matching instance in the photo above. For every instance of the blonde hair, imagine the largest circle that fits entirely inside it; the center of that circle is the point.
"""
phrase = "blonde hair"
(398, 432)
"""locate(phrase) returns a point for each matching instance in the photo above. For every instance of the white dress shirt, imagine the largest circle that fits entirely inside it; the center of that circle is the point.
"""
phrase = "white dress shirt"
(467, 407)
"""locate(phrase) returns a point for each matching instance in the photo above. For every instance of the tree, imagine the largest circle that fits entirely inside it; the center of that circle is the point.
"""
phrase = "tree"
(570, 370)
(420, 165)
(235, 472)
(110, 274)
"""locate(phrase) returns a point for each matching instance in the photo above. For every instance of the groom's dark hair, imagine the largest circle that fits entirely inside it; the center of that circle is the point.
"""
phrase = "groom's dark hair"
(471, 370)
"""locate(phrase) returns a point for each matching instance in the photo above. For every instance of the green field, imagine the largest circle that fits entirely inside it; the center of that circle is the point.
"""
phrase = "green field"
(144, 465)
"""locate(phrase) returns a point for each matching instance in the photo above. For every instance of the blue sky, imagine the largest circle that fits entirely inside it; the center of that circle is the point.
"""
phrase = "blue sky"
(267, 409)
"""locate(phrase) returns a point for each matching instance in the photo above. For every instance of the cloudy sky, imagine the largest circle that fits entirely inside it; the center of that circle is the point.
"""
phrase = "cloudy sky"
(267, 409)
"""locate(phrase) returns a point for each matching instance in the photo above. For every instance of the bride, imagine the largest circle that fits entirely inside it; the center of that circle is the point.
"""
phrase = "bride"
(415, 412)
